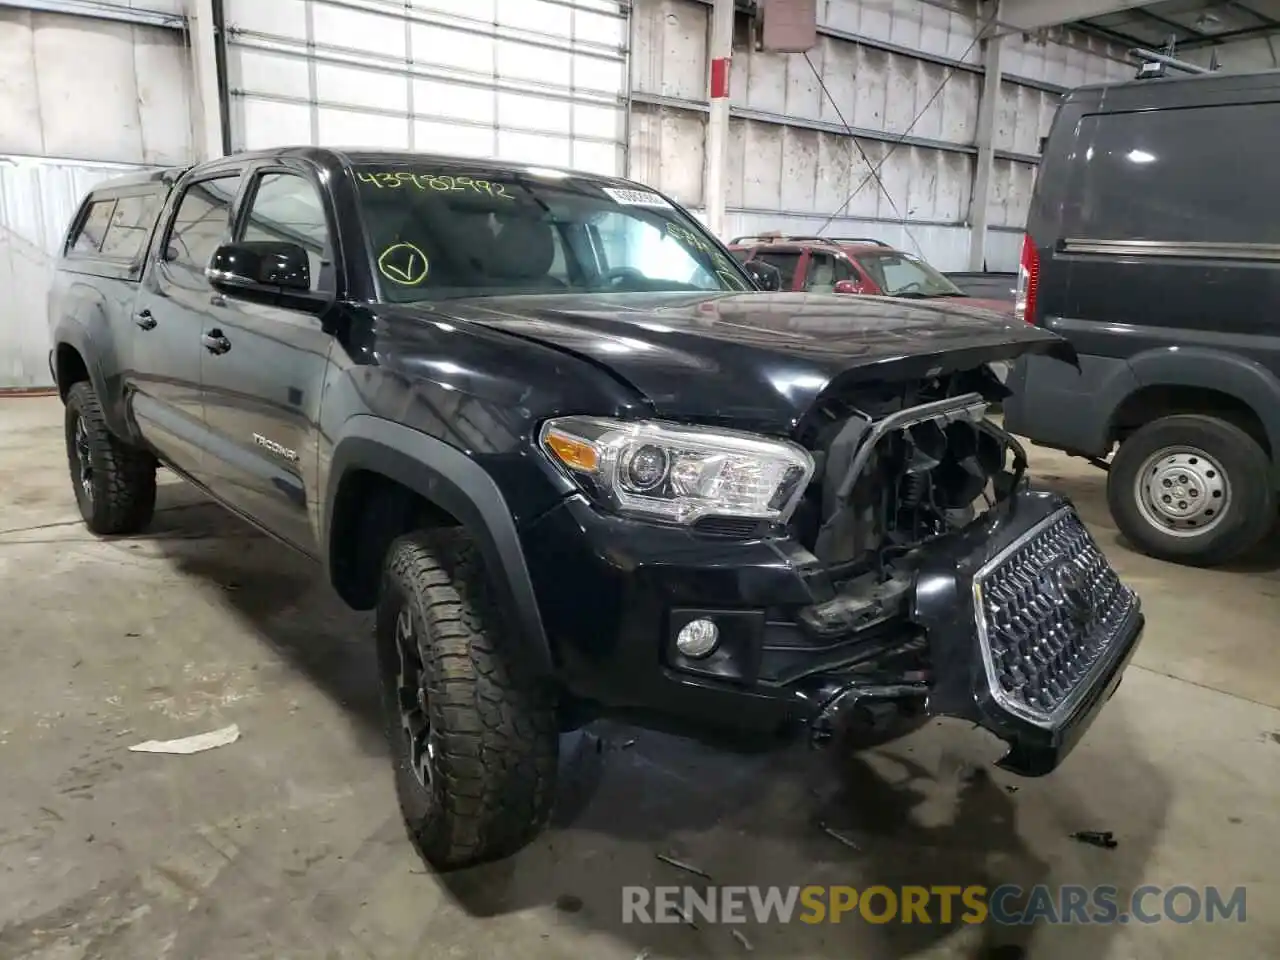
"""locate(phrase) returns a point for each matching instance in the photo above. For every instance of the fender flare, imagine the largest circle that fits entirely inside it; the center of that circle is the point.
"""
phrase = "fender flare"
(72, 333)
(1115, 386)
(454, 482)
(1230, 373)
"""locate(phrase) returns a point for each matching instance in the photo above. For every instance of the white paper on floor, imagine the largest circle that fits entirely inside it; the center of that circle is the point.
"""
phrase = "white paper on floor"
(196, 744)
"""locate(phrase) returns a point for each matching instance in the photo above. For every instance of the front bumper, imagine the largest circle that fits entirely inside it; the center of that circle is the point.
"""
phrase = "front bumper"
(1030, 654)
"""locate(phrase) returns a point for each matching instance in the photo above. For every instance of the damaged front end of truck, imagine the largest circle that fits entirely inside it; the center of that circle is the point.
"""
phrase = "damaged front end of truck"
(908, 570)
(944, 585)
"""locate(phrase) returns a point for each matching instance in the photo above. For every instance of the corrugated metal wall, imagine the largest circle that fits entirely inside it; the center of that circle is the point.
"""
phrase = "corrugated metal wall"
(63, 127)
(543, 81)
(882, 63)
(532, 80)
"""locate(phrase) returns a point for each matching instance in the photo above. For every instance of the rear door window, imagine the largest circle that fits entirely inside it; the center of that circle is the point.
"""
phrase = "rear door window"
(93, 228)
(130, 226)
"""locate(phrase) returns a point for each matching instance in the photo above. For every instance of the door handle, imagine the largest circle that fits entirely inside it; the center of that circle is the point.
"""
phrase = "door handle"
(145, 320)
(215, 342)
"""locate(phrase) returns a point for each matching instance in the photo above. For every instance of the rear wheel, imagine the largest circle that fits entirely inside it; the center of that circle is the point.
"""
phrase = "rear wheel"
(1192, 489)
(114, 482)
(473, 730)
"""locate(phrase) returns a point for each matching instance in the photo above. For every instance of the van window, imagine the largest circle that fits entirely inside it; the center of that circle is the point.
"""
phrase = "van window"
(93, 227)
(1177, 175)
(130, 226)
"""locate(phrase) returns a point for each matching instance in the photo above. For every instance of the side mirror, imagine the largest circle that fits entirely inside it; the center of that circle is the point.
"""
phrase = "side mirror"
(764, 275)
(849, 286)
(266, 271)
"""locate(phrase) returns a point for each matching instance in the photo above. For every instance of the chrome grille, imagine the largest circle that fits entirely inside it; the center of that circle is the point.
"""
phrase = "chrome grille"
(1048, 608)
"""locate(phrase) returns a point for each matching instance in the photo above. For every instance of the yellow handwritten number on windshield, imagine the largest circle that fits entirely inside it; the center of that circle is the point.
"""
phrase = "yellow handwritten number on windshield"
(429, 181)
(403, 263)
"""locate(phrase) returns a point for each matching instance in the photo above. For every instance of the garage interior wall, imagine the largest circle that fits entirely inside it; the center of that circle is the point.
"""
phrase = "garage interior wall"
(600, 85)
(792, 164)
(64, 127)
(542, 81)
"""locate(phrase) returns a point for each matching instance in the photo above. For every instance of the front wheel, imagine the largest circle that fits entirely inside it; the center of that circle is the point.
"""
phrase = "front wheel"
(1192, 489)
(473, 730)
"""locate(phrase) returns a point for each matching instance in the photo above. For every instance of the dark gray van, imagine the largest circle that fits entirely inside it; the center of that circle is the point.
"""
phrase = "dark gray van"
(1153, 245)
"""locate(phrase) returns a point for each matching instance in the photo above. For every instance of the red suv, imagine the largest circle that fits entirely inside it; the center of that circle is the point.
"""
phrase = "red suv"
(854, 265)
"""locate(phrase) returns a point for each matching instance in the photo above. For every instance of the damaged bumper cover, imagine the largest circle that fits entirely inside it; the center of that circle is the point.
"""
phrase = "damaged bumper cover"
(1015, 622)
(1029, 629)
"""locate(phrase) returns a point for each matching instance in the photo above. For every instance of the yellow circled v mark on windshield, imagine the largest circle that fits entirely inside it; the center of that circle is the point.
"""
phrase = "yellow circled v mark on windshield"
(403, 263)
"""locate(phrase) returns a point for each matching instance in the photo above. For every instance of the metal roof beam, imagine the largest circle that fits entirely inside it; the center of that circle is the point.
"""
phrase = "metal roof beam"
(102, 10)
(1030, 15)
(1249, 11)
(1172, 24)
(1229, 36)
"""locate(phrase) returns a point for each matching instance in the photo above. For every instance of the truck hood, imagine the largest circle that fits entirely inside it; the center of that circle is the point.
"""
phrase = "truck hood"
(1004, 307)
(754, 359)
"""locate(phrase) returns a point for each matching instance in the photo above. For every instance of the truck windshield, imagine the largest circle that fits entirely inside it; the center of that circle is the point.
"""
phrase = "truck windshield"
(902, 275)
(439, 232)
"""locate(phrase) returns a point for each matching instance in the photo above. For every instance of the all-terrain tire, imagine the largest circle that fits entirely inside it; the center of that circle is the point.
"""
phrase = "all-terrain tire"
(114, 482)
(1235, 461)
(492, 734)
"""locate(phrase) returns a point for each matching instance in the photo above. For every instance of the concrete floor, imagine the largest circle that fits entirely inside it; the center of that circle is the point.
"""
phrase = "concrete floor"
(287, 843)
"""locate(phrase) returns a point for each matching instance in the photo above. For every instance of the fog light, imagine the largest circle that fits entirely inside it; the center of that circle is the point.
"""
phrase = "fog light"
(697, 638)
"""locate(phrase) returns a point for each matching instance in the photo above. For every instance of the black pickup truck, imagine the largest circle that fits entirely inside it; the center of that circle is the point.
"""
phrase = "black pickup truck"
(581, 465)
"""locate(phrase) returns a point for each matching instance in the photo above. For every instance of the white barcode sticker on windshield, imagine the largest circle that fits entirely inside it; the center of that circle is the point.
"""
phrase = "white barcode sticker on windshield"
(636, 198)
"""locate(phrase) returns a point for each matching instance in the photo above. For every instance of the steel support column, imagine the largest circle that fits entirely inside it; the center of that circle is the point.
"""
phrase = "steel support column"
(207, 115)
(980, 196)
(715, 184)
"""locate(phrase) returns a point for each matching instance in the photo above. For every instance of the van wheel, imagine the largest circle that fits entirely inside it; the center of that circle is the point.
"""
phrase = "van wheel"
(1192, 489)
(473, 731)
(114, 483)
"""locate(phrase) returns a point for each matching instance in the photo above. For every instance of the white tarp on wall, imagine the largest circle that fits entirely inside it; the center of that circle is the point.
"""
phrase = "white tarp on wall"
(64, 127)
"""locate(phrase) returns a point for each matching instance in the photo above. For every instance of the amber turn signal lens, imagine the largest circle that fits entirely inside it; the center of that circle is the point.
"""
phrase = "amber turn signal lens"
(572, 452)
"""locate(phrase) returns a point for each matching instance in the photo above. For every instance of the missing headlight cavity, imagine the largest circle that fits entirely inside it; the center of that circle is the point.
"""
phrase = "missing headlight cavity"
(895, 475)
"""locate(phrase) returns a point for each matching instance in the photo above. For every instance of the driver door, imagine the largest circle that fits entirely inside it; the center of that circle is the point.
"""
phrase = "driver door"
(264, 381)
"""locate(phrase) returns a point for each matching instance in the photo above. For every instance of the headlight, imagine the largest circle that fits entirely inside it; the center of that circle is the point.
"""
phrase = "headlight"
(672, 472)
